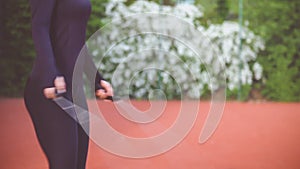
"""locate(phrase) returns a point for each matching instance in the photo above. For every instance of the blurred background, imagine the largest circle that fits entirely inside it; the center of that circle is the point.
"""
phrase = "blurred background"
(275, 76)
(258, 41)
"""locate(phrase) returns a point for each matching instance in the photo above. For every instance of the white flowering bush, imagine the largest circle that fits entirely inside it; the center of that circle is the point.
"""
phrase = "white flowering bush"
(226, 37)
(140, 51)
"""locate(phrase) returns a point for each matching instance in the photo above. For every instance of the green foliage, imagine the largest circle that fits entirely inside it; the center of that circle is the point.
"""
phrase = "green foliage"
(222, 9)
(278, 23)
(244, 95)
(164, 2)
(216, 11)
(97, 16)
(279, 26)
(210, 7)
(17, 47)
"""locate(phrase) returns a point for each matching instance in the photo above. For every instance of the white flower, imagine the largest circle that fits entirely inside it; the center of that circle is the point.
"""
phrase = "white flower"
(192, 71)
(258, 70)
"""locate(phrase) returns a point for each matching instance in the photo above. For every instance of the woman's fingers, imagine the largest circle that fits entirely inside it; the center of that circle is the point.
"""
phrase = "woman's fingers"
(101, 94)
(59, 88)
(49, 92)
(60, 84)
(107, 87)
(106, 91)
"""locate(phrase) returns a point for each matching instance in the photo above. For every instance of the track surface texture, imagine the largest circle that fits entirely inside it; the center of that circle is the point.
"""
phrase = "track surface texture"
(251, 135)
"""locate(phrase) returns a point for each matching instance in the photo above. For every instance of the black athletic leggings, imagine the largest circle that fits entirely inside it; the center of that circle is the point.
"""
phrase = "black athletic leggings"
(63, 140)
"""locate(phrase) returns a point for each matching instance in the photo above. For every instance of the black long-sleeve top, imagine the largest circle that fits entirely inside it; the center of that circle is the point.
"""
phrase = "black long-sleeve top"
(58, 31)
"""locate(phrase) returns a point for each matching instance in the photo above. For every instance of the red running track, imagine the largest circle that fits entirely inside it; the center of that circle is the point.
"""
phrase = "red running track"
(250, 136)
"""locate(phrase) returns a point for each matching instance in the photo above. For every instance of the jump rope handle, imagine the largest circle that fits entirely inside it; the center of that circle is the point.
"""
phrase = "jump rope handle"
(61, 92)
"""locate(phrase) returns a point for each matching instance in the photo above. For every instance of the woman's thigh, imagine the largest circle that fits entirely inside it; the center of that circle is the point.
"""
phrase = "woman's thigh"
(57, 133)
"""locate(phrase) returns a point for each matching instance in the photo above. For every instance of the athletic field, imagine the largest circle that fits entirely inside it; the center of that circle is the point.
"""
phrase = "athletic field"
(250, 135)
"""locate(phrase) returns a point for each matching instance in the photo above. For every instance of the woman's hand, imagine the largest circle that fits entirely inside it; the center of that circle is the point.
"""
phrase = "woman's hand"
(59, 88)
(106, 92)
